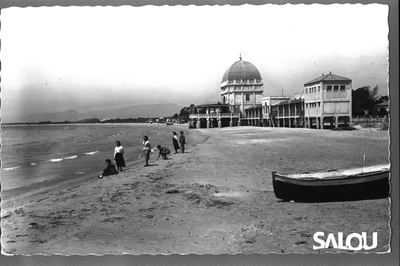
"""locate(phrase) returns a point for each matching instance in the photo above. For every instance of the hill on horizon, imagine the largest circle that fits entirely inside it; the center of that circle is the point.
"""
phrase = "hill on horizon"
(148, 110)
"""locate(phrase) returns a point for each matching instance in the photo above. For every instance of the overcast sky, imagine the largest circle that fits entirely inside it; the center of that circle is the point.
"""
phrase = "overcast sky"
(89, 58)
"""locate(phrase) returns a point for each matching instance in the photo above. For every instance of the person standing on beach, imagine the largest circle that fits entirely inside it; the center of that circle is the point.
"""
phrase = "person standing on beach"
(118, 156)
(109, 170)
(175, 141)
(182, 141)
(146, 150)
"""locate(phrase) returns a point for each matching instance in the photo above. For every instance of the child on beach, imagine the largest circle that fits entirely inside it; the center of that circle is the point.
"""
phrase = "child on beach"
(182, 141)
(175, 141)
(109, 170)
(163, 151)
(146, 150)
(118, 156)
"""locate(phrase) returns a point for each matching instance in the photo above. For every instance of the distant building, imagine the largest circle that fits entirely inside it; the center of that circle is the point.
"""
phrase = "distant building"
(326, 99)
(242, 89)
(382, 108)
(241, 97)
(280, 111)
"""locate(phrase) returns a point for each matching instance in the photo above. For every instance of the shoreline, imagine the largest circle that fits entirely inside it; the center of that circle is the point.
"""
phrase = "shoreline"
(27, 197)
(216, 198)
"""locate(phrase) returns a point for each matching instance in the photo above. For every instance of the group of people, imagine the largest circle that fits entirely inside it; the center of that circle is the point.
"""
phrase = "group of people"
(178, 143)
(119, 161)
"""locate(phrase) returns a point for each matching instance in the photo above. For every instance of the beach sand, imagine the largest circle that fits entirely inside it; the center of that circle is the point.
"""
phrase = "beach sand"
(216, 198)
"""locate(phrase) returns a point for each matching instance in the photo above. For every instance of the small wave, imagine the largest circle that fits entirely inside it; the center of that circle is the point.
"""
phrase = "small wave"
(71, 157)
(33, 164)
(55, 160)
(91, 153)
(11, 168)
(80, 173)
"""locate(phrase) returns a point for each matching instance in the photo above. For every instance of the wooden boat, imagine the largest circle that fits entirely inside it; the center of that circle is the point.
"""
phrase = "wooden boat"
(353, 184)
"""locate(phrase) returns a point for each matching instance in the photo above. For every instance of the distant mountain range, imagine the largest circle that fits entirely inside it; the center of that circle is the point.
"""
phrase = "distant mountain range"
(150, 110)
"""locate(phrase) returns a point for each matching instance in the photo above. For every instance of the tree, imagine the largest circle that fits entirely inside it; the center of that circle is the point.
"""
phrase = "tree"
(364, 99)
(184, 113)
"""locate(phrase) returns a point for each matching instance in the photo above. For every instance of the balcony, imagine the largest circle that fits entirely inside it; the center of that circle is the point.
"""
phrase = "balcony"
(214, 115)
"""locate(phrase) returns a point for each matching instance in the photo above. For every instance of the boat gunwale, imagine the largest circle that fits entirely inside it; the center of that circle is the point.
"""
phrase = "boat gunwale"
(332, 181)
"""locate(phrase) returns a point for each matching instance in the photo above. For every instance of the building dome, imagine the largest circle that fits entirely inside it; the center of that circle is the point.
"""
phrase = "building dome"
(241, 70)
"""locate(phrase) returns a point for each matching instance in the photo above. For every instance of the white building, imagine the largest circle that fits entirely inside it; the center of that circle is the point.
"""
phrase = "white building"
(327, 99)
(242, 89)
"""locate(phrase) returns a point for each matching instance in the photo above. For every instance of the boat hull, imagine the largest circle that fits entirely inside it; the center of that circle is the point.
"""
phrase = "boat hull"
(371, 185)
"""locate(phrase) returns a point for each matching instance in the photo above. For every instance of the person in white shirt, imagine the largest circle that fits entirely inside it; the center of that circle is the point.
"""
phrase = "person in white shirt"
(118, 156)
(146, 150)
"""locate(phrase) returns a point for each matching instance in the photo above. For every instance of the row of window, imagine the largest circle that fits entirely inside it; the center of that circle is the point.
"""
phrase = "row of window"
(231, 88)
(245, 81)
(336, 88)
(313, 89)
(313, 105)
(328, 88)
(246, 99)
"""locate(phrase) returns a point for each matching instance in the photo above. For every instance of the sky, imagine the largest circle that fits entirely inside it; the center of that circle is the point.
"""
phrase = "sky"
(89, 58)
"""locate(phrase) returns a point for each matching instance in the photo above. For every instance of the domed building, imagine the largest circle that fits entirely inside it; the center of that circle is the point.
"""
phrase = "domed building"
(326, 99)
(242, 90)
(241, 99)
(241, 70)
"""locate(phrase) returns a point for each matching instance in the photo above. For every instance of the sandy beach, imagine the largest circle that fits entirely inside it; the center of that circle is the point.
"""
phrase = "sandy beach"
(216, 198)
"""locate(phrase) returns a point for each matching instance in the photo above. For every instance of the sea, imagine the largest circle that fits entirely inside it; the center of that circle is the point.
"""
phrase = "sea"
(41, 158)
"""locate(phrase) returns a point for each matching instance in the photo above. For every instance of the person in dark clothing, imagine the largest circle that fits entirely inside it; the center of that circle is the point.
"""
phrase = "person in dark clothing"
(182, 141)
(175, 141)
(109, 170)
(163, 152)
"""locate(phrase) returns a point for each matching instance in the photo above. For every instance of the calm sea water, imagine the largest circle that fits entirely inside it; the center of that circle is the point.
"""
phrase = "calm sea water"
(40, 157)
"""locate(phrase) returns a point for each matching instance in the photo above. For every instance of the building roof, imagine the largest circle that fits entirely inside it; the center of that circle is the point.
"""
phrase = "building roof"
(327, 78)
(288, 102)
(211, 105)
(241, 70)
(382, 104)
(257, 106)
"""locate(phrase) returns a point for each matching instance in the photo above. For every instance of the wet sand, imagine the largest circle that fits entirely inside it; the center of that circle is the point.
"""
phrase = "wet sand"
(216, 198)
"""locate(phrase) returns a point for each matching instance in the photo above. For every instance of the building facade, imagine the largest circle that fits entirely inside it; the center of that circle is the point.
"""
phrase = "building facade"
(325, 102)
(242, 88)
(241, 97)
(327, 99)
(212, 115)
(281, 111)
